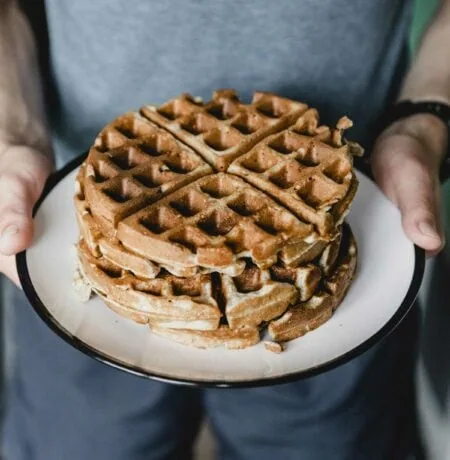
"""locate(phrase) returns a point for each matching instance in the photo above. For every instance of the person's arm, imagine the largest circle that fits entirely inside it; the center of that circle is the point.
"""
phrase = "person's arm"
(24, 140)
(408, 154)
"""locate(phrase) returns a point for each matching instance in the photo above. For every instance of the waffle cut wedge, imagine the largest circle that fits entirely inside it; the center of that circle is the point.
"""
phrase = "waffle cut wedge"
(224, 128)
(133, 163)
(308, 168)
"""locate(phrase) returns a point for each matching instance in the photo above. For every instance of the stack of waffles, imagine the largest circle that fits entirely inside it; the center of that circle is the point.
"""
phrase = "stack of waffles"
(212, 221)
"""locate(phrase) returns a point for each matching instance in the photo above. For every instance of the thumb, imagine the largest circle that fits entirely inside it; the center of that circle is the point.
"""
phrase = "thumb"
(23, 172)
(409, 177)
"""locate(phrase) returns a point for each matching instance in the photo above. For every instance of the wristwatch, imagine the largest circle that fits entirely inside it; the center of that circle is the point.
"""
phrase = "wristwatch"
(405, 109)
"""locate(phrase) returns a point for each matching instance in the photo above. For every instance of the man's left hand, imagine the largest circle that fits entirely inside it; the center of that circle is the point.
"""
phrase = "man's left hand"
(405, 163)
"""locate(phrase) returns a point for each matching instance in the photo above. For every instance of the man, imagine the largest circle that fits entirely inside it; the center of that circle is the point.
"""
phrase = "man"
(344, 57)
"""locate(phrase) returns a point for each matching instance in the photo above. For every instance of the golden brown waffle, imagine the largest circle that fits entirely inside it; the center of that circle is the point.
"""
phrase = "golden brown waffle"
(224, 336)
(297, 321)
(90, 230)
(224, 128)
(208, 258)
(305, 278)
(306, 316)
(254, 297)
(296, 254)
(108, 247)
(133, 163)
(174, 302)
(250, 298)
(213, 222)
(328, 257)
(114, 251)
(307, 168)
(188, 310)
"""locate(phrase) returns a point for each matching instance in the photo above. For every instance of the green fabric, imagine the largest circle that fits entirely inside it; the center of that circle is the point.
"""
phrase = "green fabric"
(422, 13)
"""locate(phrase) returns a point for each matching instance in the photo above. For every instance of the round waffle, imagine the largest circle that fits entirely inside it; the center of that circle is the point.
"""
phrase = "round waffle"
(167, 299)
(208, 220)
(211, 310)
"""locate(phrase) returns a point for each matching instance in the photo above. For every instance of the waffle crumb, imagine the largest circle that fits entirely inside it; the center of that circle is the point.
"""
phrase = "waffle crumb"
(81, 286)
(274, 347)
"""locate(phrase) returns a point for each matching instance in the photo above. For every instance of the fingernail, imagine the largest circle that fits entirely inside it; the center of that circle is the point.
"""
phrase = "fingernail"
(7, 236)
(428, 229)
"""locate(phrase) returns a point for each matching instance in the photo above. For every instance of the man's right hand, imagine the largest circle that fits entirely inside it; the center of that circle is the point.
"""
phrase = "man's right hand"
(23, 172)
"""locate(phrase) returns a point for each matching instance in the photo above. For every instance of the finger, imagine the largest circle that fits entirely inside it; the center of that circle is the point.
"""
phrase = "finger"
(23, 173)
(9, 268)
(421, 214)
(412, 184)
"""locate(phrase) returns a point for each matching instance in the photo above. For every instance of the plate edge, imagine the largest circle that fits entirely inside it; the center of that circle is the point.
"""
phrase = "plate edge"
(56, 327)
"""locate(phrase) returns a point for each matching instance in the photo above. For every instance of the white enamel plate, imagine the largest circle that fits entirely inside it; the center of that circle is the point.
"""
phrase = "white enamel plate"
(388, 278)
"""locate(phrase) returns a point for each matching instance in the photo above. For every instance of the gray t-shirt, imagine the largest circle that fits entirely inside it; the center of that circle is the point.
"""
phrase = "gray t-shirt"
(109, 56)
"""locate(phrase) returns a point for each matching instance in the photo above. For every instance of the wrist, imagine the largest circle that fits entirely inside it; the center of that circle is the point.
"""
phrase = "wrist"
(426, 128)
(37, 139)
(425, 122)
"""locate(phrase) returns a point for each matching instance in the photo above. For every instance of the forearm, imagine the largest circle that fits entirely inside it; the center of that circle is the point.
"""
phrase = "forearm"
(429, 79)
(22, 114)
(407, 155)
(429, 76)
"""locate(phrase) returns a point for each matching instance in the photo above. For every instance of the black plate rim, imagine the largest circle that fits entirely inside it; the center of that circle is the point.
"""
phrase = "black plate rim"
(53, 324)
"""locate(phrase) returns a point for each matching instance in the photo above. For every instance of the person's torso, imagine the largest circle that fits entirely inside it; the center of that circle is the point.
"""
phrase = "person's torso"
(110, 56)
